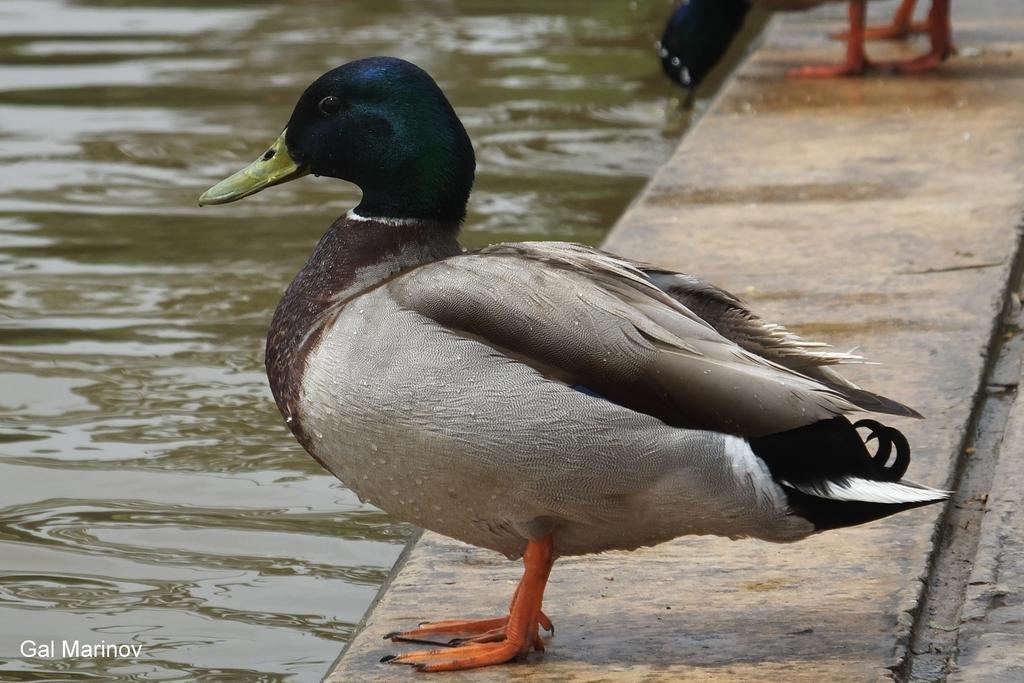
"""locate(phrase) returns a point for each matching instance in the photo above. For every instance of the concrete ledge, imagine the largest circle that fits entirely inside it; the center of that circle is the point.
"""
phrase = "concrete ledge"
(879, 213)
(991, 643)
(989, 626)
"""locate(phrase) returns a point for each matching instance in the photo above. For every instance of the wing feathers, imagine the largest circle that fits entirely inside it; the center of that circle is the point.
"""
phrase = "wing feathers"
(731, 318)
(587, 318)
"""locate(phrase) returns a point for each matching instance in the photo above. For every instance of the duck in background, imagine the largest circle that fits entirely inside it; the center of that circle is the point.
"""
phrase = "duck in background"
(539, 399)
(700, 31)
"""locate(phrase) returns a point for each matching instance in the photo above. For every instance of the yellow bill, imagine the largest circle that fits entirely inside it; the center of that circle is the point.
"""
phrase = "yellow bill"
(276, 166)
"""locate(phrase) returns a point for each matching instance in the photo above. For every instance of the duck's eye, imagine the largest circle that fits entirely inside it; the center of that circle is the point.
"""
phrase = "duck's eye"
(329, 106)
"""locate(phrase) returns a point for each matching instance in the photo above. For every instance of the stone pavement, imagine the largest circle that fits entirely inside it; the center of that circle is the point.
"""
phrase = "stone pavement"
(878, 213)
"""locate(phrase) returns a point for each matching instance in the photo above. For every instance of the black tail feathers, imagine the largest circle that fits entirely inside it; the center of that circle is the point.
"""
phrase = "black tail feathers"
(887, 438)
(831, 478)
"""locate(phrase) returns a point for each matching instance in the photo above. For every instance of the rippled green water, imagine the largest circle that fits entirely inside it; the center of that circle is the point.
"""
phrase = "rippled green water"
(149, 492)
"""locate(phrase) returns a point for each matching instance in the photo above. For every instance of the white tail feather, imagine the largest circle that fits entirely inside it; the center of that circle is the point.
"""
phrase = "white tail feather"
(870, 491)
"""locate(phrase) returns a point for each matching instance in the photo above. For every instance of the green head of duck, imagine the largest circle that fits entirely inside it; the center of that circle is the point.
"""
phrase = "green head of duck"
(380, 123)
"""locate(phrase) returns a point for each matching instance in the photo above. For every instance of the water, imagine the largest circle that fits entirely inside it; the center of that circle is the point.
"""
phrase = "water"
(149, 492)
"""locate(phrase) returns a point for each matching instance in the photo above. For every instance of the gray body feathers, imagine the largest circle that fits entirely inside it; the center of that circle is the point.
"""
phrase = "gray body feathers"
(499, 395)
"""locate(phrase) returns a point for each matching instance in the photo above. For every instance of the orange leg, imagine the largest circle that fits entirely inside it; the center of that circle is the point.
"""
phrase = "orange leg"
(902, 26)
(856, 61)
(941, 32)
(497, 640)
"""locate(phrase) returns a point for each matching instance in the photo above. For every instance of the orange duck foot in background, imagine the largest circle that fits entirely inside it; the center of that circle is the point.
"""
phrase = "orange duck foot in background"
(902, 26)
(856, 61)
(492, 641)
(940, 30)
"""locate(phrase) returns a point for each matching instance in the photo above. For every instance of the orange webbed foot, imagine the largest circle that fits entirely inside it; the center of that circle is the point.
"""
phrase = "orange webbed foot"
(484, 642)
(453, 627)
(470, 656)
(844, 70)
(500, 633)
(925, 62)
(465, 631)
(856, 63)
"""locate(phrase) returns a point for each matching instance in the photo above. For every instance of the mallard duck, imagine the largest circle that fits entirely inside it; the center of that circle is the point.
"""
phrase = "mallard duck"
(700, 31)
(539, 399)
